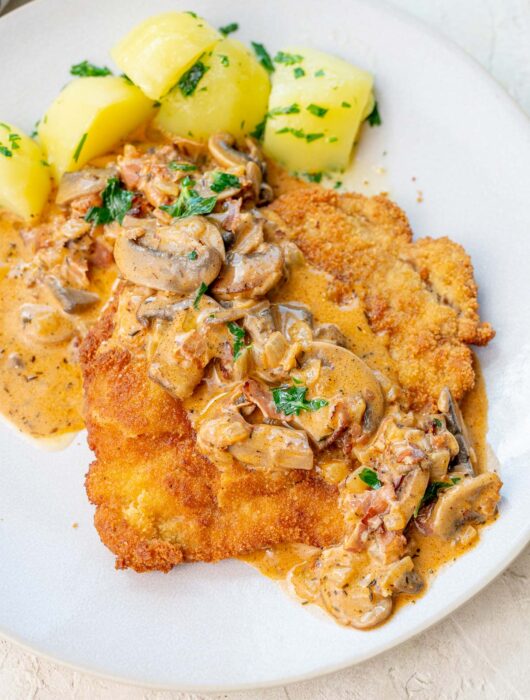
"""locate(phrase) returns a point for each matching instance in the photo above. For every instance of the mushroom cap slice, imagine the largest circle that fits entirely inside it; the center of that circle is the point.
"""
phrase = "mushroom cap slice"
(176, 258)
(348, 384)
(82, 183)
(272, 447)
(251, 275)
(472, 500)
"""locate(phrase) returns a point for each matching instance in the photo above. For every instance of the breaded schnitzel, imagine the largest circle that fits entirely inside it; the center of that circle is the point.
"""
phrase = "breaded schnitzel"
(160, 501)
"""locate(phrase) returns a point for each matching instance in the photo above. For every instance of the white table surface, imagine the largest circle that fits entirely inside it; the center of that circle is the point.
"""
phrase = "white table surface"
(482, 650)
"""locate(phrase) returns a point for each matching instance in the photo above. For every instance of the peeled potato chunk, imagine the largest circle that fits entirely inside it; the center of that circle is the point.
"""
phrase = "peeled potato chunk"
(88, 118)
(230, 96)
(316, 106)
(159, 50)
(24, 174)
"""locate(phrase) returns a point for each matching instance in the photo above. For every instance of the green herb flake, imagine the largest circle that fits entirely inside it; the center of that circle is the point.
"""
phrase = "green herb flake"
(313, 177)
(190, 12)
(200, 293)
(193, 255)
(5, 126)
(346, 105)
(45, 163)
(290, 109)
(374, 118)
(238, 334)
(14, 141)
(337, 185)
(127, 79)
(313, 137)
(437, 423)
(317, 110)
(184, 167)
(229, 28)
(191, 78)
(89, 70)
(35, 131)
(298, 72)
(189, 202)
(369, 477)
(432, 491)
(259, 129)
(333, 139)
(288, 59)
(299, 134)
(224, 181)
(80, 147)
(291, 400)
(4, 151)
(263, 56)
(116, 202)
(225, 61)
(319, 73)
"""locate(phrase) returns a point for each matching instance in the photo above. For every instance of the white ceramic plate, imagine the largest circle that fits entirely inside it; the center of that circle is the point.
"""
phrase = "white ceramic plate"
(223, 626)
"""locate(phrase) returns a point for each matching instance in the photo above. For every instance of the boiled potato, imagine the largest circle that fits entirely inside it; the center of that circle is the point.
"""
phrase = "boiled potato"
(231, 95)
(316, 106)
(24, 174)
(159, 50)
(88, 118)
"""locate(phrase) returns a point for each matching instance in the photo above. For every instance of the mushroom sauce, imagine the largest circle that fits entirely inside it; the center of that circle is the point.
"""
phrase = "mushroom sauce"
(273, 373)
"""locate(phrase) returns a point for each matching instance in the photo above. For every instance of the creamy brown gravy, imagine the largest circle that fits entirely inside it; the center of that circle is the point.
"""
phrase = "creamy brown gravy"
(43, 395)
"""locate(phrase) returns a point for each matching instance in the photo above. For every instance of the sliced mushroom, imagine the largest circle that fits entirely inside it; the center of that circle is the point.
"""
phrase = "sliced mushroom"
(472, 500)
(294, 320)
(71, 299)
(44, 324)
(251, 275)
(350, 388)
(399, 577)
(272, 447)
(221, 147)
(330, 333)
(466, 459)
(176, 258)
(409, 495)
(162, 307)
(82, 183)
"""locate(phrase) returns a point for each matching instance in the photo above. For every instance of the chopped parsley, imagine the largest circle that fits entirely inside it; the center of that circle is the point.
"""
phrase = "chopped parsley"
(300, 134)
(374, 118)
(224, 181)
(333, 139)
(259, 129)
(288, 59)
(337, 185)
(319, 73)
(200, 293)
(189, 12)
(189, 202)
(313, 177)
(193, 255)
(432, 490)
(80, 147)
(292, 400)
(437, 423)
(239, 339)
(299, 72)
(14, 141)
(229, 28)
(263, 56)
(346, 105)
(127, 79)
(35, 131)
(4, 151)
(89, 70)
(291, 109)
(317, 110)
(185, 167)
(225, 61)
(369, 476)
(116, 203)
(191, 78)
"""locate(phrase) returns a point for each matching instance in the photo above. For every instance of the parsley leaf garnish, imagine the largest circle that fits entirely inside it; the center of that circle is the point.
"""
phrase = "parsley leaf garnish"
(319, 73)
(288, 59)
(291, 400)
(224, 181)
(116, 203)
(80, 147)
(192, 255)
(89, 70)
(317, 110)
(259, 129)
(14, 141)
(432, 490)
(225, 61)
(346, 105)
(185, 167)
(369, 476)
(189, 202)
(313, 137)
(299, 72)
(239, 339)
(263, 56)
(290, 109)
(337, 185)
(200, 293)
(191, 78)
(374, 118)
(229, 28)
(313, 177)
(189, 12)
(5, 151)
(300, 134)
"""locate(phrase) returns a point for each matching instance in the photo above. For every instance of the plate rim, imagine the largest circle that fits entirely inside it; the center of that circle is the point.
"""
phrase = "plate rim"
(481, 582)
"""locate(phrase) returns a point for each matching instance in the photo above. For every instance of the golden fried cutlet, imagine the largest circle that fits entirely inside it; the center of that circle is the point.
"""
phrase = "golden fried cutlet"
(160, 502)
(420, 296)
